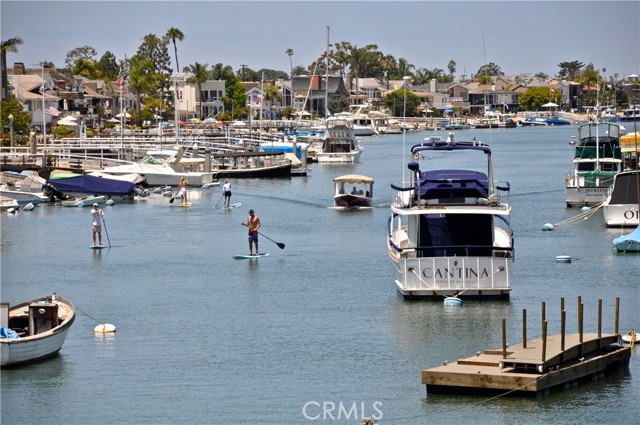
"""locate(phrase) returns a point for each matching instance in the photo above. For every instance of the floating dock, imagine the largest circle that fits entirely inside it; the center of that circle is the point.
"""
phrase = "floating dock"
(534, 367)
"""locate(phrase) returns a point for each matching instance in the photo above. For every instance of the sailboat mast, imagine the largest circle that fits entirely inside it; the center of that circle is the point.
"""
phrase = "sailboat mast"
(326, 81)
(44, 118)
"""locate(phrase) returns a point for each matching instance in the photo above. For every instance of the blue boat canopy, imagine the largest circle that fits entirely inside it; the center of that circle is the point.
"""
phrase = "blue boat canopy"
(92, 185)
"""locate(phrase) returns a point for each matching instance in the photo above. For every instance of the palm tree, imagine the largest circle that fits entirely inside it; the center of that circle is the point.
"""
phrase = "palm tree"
(200, 74)
(289, 52)
(10, 45)
(174, 34)
(271, 94)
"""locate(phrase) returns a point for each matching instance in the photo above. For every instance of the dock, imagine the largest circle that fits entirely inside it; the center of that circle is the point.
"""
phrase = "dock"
(533, 367)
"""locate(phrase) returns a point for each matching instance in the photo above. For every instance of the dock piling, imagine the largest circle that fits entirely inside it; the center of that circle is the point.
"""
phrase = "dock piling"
(617, 315)
(563, 321)
(504, 338)
(524, 328)
(599, 321)
(544, 343)
(580, 323)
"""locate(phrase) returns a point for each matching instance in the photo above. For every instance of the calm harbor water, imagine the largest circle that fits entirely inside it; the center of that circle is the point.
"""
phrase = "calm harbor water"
(203, 338)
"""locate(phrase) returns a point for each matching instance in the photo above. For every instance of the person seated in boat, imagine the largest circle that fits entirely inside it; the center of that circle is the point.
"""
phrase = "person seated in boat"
(360, 192)
(354, 191)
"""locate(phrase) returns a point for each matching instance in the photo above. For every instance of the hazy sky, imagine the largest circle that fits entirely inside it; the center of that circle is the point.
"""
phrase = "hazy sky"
(520, 37)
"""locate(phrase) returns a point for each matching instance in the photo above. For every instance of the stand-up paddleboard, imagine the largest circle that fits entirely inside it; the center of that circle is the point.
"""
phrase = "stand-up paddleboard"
(185, 205)
(98, 246)
(236, 205)
(247, 257)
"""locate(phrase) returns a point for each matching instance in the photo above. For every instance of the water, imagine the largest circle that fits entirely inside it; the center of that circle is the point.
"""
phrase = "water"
(203, 338)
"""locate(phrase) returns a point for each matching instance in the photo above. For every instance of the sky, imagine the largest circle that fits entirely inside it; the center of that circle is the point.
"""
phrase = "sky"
(518, 36)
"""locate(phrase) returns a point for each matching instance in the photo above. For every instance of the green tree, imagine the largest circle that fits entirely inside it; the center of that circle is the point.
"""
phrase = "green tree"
(21, 121)
(338, 104)
(298, 70)
(87, 68)
(489, 69)
(199, 74)
(272, 94)
(173, 35)
(7, 46)
(48, 65)
(570, 70)
(405, 69)
(534, 98)
(108, 66)
(84, 52)
(143, 79)
(485, 79)
(395, 101)
(451, 66)
(157, 52)
(289, 53)
(220, 71)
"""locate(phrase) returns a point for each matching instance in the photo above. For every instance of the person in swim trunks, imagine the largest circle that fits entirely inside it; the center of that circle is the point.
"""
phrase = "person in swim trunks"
(253, 223)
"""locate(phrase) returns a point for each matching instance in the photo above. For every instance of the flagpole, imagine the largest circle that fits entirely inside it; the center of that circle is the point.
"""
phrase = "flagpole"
(44, 119)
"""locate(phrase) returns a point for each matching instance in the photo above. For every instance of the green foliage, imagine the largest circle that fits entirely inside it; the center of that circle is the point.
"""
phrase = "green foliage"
(489, 69)
(84, 52)
(60, 132)
(21, 118)
(570, 70)
(395, 101)
(108, 66)
(288, 112)
(338, 104)
(534, 98)
(155, 50)
(173, 35)
(485, 79)
(87, 68)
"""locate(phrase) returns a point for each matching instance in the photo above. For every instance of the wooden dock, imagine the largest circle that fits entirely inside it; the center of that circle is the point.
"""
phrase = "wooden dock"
(534, 367)
(489, 372)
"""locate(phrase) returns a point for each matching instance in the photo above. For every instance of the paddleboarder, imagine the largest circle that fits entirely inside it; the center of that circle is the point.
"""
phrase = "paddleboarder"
(253, 223)
(226, 192)
(96, 224)
(183, 190)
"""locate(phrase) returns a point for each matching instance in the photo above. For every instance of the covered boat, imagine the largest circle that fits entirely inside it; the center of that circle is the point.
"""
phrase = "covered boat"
(86, 184)
(34, 330)
(352, 191)
(449, 232)
(629, 242)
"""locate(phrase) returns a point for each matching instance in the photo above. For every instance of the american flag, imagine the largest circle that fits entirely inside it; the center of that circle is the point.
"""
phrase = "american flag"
(51, 111)
(120, 81)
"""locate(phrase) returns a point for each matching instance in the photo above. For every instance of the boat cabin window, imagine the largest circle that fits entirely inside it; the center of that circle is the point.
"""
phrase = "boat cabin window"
(587, 166)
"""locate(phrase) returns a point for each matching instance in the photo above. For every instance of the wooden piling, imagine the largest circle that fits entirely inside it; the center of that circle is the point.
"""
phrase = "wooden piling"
(543, 312)
(580, 317)
(563, 321)
(617, 314)
(544, 341)
(504, 338)
(524, 328)
(599, 318)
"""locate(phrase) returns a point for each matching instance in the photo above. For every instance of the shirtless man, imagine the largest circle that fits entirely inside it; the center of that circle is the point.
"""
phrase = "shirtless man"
(253, 223)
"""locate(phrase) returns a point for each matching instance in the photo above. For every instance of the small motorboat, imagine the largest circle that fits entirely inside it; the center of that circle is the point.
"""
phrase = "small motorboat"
(86, 201)
(35, 329)
(359, 196)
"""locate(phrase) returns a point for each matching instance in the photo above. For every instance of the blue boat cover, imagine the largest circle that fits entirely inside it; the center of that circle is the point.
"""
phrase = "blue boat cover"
(92, 185)
(8, 333)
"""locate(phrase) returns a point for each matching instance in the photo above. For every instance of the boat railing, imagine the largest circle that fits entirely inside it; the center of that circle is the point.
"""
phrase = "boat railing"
(455, 250)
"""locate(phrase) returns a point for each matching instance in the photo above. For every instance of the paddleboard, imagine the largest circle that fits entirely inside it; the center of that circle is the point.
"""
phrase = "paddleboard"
(98, 246)
(188, 204)
(246, 257)
(236, 205)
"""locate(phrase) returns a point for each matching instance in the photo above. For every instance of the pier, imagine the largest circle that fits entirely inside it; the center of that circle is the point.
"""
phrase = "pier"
(534, 367)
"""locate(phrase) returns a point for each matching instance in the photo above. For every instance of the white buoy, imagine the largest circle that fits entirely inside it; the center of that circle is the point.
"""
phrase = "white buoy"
(104, 328)
(453, 301)
(586, 208)
(28, 207)
(548, 226)
(109, 202)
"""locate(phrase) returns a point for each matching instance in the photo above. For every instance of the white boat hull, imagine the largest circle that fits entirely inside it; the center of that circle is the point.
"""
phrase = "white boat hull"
(585, 196)
(339, 158)
(621, 215)
(25, 197)
(43, 344)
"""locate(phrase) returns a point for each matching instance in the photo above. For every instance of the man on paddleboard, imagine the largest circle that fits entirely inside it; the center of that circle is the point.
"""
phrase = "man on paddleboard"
(96, 224)
(226, 192)
(183, 190)
(253, 223)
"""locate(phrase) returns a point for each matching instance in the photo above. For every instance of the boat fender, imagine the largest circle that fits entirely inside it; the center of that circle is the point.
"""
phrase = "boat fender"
(109, 202)
(548, 227)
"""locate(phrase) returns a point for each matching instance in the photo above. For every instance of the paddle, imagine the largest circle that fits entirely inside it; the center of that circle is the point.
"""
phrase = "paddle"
(280, 244)
(174, 197)
(219, 200)
(106, 232)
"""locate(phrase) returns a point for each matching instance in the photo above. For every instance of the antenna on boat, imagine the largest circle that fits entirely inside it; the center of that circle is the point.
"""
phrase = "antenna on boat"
(404, 122)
